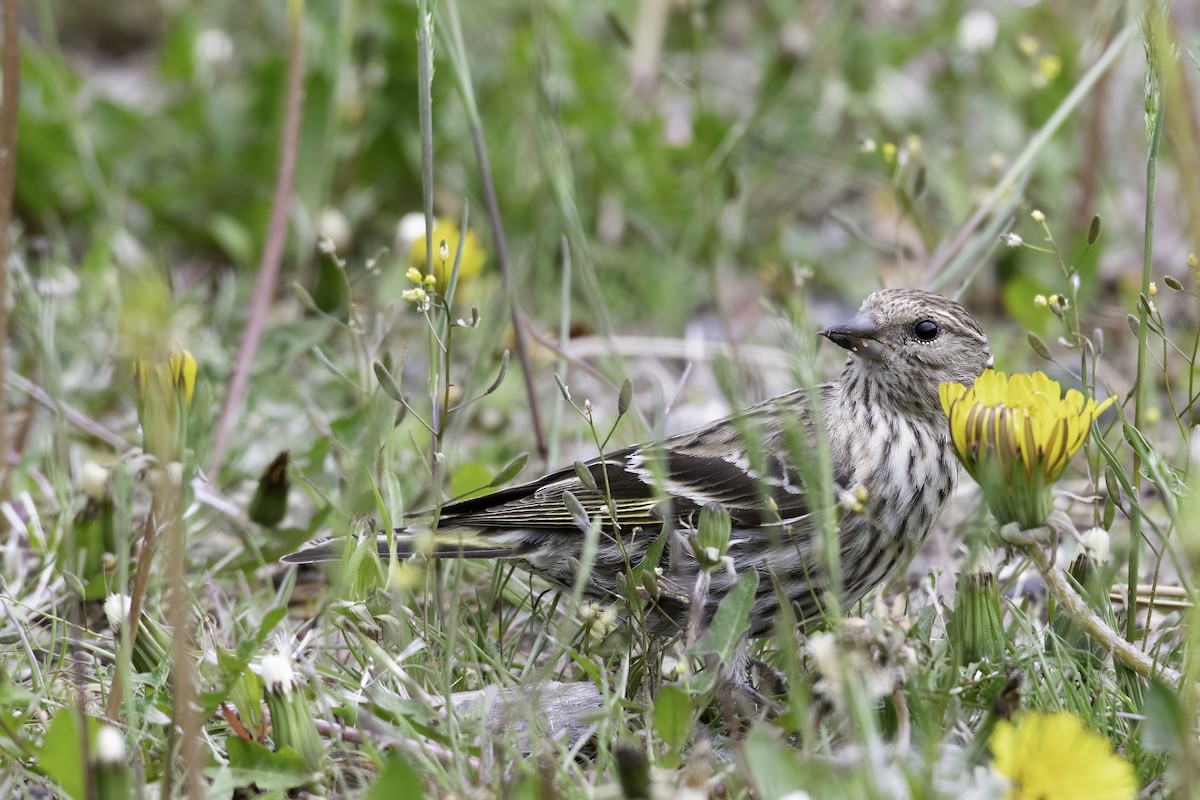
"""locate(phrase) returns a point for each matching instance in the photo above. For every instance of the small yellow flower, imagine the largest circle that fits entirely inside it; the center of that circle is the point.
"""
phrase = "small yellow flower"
(164, 395)
(1049, 67)
(1054, 757)
(1015, 437)
(417, 296)
(414, 275)
(445, 238)
(1040, 301)
(183, 374)
(1153, 289)
(177, 376)
(1028, 45)
(889, 152)
(1193, 261)
(1037, 216)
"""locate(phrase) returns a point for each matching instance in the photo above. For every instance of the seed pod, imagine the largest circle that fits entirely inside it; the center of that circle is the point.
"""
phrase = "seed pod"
(585, 476)
(387, 382)
(1134, 325)
(510, 470)
(1093, 230)
(499, 375)
(579, 514)
(1038, 346)
(919, 183)
(1112, 486)
(625, 398)
(1172, 283)
(562, 387)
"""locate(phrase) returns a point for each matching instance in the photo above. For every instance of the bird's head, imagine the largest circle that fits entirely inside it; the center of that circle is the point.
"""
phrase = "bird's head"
(910, 341)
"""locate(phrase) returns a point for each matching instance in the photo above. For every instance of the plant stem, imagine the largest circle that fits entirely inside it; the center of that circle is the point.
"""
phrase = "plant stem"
(1135, 503)
(272, 255)
(8, 177)
(462, 76)
(1074, 606)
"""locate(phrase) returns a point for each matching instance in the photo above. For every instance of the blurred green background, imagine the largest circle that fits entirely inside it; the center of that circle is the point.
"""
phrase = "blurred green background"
(699, 159)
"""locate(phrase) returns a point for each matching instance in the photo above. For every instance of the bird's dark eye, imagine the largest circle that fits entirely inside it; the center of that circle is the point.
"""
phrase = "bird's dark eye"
(926, 330)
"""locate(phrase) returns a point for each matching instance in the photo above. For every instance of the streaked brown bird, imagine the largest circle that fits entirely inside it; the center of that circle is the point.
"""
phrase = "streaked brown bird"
(889, 447)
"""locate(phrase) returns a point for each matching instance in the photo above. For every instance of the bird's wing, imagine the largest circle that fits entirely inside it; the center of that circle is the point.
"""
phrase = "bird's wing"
(744, 462)
(741, 462)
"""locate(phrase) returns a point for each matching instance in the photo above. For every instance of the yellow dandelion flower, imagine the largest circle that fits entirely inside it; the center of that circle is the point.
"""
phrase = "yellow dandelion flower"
(177, 376)
(183, 374)
(1015, 436)
(445, 246)
(164, 395)
(1054, 757)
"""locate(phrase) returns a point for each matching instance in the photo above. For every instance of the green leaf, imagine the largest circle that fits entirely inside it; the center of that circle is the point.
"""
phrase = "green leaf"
(774, 769)
(253, 764)
(232, 237)
(61, 756)
(673, 719)
(732, 618)
(332, 290)
(396, 778)
(625, 398)
(232, 663)
(1165, 724)
(469, 480)
(510, 471)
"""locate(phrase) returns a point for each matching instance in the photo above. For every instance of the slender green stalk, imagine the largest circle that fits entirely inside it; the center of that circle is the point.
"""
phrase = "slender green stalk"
(1135, 503)
(425, 115)
(272, 254)
(564, 337)
(462, 77)
(8, 178)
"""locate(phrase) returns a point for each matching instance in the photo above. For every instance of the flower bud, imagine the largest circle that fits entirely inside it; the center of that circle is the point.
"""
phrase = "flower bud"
(152, 642)
(269, 504)
(110, 765)
(975, 629)
(711, 538)
(292, 724)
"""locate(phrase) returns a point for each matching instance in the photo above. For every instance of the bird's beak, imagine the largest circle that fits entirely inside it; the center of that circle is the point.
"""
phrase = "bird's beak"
(859, 335)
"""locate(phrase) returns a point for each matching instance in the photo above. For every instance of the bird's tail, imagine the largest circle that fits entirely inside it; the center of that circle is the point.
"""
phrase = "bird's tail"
(409, 542)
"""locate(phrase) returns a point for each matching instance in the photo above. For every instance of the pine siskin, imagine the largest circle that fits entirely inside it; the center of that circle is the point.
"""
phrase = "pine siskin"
(889, 445)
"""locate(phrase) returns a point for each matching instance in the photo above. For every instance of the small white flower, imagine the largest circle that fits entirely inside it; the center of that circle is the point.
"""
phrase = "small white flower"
(110, 745)
(410, 228)
(277, 674)
(93, 479)
(1097, 544)
(823, 648)
(1011, 239)
(213, 48)
(977, 31)
(116, 610)
(1037, 216)
(333, 225)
